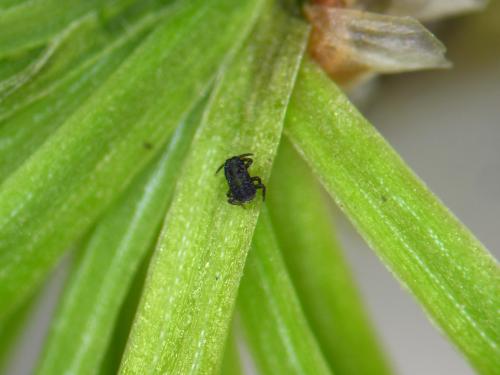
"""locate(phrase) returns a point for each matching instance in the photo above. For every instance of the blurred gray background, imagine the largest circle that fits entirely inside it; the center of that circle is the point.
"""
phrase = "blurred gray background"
(446, 125)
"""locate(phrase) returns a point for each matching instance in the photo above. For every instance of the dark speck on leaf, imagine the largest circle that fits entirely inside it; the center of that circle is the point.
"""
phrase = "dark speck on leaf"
(148, 145)
(384, 198)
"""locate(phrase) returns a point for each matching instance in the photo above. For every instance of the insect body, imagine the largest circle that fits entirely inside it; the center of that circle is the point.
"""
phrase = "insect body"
(242, 187)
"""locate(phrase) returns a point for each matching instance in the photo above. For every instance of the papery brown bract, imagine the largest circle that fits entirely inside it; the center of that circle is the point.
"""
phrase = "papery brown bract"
(350, 44)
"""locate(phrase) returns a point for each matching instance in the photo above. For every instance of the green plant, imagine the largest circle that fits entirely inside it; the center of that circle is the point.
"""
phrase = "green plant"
(107, 134)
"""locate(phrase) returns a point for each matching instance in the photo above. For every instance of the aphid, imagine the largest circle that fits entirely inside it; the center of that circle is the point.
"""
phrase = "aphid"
(242, 187)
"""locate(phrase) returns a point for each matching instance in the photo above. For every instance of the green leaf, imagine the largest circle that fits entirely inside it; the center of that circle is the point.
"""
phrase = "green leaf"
(123, 323)
(193, 279)
(4, 4)
(86, 38)
(14, 64)
(58, 193)
(324, 284)
(10, 329)
(231, 364)
(447, 269)
(37, 113)
(61, 54)
(276, 328)
(34, 23)
(98, 285)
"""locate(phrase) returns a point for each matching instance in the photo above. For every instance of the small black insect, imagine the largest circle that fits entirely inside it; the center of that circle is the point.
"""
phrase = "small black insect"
(242, 187)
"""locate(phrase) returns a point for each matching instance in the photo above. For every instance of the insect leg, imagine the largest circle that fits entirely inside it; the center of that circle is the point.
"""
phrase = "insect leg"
(218, 169)
(233, 201)
(247, 161)
(244, 155)
(259, 185)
